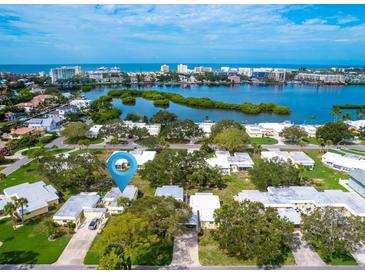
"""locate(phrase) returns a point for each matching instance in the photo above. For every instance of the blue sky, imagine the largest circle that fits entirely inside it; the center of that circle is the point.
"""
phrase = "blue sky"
(271, 34)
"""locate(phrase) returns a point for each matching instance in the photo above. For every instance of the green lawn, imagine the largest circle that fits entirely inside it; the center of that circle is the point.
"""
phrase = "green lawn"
(144, 187)
(263, 141)
(339, 259)
(211, 254)
(327, 178)
(27, 173)
(312, 140)
(48, 152)
(354, 151)
(29, 244)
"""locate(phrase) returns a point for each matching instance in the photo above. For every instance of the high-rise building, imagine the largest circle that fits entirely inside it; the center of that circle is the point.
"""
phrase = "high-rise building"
(182, 68)
(64, 73)
(165, 68)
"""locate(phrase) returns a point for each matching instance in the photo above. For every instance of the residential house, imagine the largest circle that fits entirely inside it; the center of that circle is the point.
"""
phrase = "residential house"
(141, 157)
(48, 124)
(94, 130)
(344, 163)
(357, 180)
(153, 129)
(305, 199)
(274, 129)
(40, 197)
(80, 103)
(206, 127)
(254, 130)
(32, 104)
(294, 157)
(79, 208)
(240, 161)
(203, 206)
(173, 191)
(110, 200)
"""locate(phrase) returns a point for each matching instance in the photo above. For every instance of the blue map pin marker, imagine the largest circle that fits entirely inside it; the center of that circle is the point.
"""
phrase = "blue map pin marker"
(122, 178)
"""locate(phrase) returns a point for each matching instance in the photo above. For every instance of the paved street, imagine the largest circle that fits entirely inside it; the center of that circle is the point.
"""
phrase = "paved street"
(304, 253)
(186, 250)
(77, 248)
(19, 163)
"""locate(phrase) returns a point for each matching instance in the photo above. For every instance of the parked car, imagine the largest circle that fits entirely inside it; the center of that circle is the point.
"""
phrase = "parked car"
(93, 224)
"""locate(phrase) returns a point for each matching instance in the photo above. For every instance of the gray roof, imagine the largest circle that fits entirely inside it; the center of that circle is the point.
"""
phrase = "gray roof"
(291, 214)
(170, 191)
(301, 157)
(38, 194)
(73, 207)
(289, 196)
(358, 175)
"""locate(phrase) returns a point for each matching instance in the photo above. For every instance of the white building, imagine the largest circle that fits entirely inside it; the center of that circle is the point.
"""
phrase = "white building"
(206, 127)
(183, 69)
(78, 208)
(274, 129)
(357, 124)
(49, 124)
(64, 73)
(80, 103)
(173, 191)
(110, 199)
(203, 206)
(310, 130)
(304, 199)
(245, 71)
(141, 157)
(94, 130)
(227, 163)
(344, 163)
(153, 129)
(203, 69)
(254, 130)
(40, 197)
(294, 157)
(165, 68)
(326, 78)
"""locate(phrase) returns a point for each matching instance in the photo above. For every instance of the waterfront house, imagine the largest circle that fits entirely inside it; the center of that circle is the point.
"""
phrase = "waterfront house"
(274, 129)
(206, 127)
(40, 197)
(255, 130)
(80, 103)
(153, 129)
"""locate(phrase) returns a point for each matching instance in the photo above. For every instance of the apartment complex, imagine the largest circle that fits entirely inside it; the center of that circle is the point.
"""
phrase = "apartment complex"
(64, 73)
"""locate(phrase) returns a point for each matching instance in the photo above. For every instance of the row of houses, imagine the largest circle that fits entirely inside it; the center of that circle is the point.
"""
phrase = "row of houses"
(261, 129)
(34, 103)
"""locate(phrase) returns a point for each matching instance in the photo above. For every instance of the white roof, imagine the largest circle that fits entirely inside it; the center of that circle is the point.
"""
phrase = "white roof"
(290, 196)
(142, 157)
(74, 206)
(278, 127)
(95, 129)
(254, 129)
(291, 214)
(38, 194)
(206, 127)
(206, 204)
(220, 162)
(295, 157)
(170, 191)
(346, 161)
(356, 124)
(153, 129)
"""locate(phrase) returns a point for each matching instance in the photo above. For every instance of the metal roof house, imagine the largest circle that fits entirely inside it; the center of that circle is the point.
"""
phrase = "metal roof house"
(203, 206)
(357, 180)
(173, 191)
(305, 199)
(344, 163)
(294, 157)
(74, 208)
(142, 157)
(238, 162)
(39, 195)
(110, 200)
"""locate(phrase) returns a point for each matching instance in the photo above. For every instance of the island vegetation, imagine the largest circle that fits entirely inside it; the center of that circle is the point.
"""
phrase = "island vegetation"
(164, 98)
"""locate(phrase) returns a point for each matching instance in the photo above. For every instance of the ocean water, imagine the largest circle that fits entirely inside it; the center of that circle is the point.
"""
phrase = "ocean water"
(309, 104)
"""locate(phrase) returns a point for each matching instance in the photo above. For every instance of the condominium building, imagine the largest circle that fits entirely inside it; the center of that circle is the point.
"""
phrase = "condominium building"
(165, 68)
(203, 69)
(316, 77)
(182, 68)
(64, 73)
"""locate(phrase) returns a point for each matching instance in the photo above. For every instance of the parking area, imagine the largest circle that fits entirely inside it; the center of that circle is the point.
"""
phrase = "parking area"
(304, 253)
(78, 246)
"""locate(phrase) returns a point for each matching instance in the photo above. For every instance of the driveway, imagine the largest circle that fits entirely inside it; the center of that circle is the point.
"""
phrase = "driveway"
(79, 245)
(186, 249)
(359, 255)
(304, 253)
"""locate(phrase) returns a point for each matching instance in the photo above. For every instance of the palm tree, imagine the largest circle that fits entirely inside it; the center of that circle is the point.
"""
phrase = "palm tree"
(20, 203)
(347, 116)
(336, 111)
(329, 143)
(257, 148)
(321, 143)
(10, 209)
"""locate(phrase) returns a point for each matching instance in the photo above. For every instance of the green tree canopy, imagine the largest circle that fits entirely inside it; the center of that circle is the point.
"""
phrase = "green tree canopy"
(181, 130)
(249, 231)
(334, 131)
(224, 124)
(274, 173)
(294, 134)
(163, 117)
(75, 131)
(232, 139)
(332, 232)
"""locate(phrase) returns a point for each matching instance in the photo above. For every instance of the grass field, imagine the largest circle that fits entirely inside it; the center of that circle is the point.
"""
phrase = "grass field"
(327, 178)
(354, 151)
(27, 173)
(343, 259)
(211, 254)
(263, 141)
(29, 244)
(48, 152)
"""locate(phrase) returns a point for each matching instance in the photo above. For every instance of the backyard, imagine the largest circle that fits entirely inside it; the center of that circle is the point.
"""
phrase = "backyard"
(263, 140)
(29, 244)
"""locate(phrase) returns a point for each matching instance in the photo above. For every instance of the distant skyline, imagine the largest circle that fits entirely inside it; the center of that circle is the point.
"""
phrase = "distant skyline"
(245, 34)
